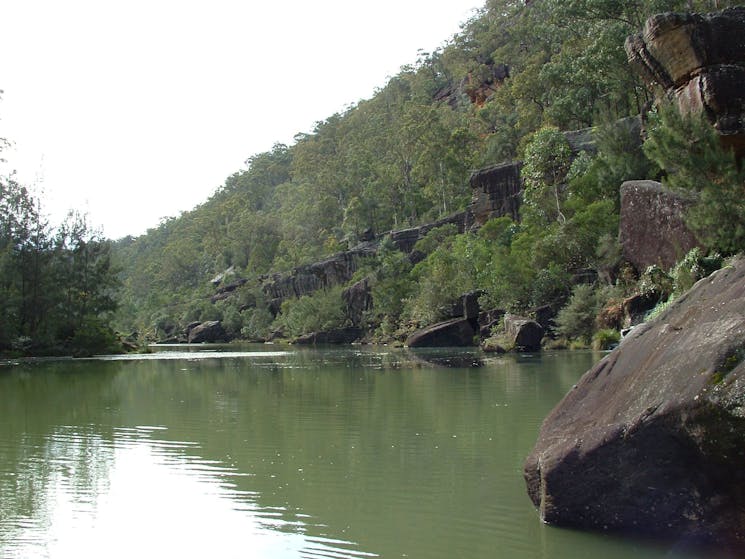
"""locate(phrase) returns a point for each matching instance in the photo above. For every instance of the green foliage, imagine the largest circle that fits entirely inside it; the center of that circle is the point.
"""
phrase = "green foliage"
(577, 319)
(605, 339)
(656, 281)
(312, 313)
(690, 150)
(547, 161)
(391, 285)
(693, 267)
(435, 238)
(516, 74)
(457, 266)
(56, 286)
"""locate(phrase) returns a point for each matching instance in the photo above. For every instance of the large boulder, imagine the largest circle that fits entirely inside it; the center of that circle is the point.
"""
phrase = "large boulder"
(207, 332)
(652, 228)
(698, 60)
(523, 334)
(459, 332)
(651, 440)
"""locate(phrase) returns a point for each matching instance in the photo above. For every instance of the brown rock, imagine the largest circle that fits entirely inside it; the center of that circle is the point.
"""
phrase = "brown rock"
(337, 336)
(699, 61)
(207, 332)
(458, 332)
(496, 192)
(651, 440)
(358, 299)
(524, 334)
(652, 227)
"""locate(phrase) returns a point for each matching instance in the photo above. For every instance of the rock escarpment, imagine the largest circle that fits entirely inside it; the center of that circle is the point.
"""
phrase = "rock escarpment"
(303, 280)
(652, 226)
(698, 61)
(339, 268)
(651, 440)
(496, 192)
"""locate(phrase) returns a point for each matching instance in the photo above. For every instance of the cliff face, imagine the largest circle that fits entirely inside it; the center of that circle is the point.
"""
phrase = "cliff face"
(496, 192)
(699, 62)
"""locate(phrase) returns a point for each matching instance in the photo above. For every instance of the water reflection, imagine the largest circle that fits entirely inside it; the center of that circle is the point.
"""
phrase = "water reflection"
(80, 495)
(264, 453)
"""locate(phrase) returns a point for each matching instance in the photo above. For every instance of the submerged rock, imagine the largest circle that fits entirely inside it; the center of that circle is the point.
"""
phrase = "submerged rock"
(651, 441)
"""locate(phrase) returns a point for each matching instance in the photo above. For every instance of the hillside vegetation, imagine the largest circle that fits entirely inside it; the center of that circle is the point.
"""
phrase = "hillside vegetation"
(504, 88)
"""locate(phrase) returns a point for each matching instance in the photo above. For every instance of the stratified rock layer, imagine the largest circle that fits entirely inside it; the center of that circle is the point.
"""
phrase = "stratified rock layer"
(699, 61)
(652, 228)
(652, 439)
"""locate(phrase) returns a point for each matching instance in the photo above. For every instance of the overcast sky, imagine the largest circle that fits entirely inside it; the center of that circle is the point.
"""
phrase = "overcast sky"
(134, 111)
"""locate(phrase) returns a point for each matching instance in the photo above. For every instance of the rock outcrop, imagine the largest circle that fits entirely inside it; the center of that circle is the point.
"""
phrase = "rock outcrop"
(339, 268)
(304, 280)
(458, 332)
(226, 291)
(699, 62)
(496, 192)
(652, 227)
(211, 331)
(357, 299)
(651, 441)
(337, 336)
(405, 239)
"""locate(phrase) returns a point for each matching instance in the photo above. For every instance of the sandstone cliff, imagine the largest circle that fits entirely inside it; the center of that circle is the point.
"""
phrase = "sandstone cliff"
(699, 62)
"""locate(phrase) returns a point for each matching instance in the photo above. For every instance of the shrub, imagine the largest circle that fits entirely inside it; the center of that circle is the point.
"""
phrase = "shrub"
(577, 319)
(693, 267)
(689, 149)
(322, 310)
(605, 339)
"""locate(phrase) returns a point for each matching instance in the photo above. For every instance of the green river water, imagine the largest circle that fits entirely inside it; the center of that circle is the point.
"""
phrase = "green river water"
(272, 452)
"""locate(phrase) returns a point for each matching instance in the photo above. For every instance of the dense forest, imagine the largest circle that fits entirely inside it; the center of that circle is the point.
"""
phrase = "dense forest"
(517, 75)
(57, 284)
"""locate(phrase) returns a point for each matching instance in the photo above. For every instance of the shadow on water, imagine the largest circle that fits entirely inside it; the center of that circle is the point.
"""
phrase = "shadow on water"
(283, 452)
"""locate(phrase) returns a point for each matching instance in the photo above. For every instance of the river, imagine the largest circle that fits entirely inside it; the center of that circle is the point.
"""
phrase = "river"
(273, 452)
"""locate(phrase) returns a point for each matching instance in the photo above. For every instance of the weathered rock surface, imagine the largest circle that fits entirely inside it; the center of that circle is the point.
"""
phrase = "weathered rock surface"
(652, 228)
(458, 332)
(357, 299)
(226, 291)
(496, 192)
(306, 279)
(336, 336)
(405, 239)
(207, 332)
(465, 306)
(523, 334)
(651, 441)
(699, 61)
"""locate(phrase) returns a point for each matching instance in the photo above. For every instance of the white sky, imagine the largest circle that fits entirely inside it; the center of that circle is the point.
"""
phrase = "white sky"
(133, 111)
